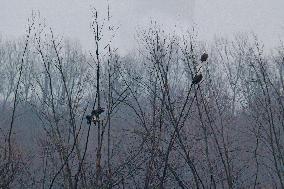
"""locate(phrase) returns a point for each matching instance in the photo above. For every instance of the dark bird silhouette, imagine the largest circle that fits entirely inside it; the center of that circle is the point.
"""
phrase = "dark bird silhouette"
(197, 79)
(94, 114)
(89, 119)
(204, 57)
(98, 111)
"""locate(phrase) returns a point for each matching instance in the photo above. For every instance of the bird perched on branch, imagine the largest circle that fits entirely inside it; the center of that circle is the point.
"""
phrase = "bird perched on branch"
(197, 79)
(98, 111)
(204, 57)
(89, 119)
(94, 115)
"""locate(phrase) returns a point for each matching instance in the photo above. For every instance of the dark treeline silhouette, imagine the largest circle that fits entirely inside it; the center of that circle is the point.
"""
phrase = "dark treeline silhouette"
(167, 116)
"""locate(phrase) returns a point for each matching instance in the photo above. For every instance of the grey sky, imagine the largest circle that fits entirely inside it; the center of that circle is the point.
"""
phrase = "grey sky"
(72, 17)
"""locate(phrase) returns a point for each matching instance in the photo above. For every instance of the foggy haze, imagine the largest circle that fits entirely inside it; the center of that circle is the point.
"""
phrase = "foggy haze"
(71, 18)
(157, 106)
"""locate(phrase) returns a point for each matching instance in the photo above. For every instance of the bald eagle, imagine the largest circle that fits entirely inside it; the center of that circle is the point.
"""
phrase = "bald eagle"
(94, 115)
(197, 79)
(98, 111)
(204, 57)
(89, 119)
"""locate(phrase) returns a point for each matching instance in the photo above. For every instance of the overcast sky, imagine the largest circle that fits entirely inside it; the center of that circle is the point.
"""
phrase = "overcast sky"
(222, 17)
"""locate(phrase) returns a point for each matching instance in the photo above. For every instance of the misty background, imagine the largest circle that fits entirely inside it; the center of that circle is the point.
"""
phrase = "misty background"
(71, 18)
(173, 107)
